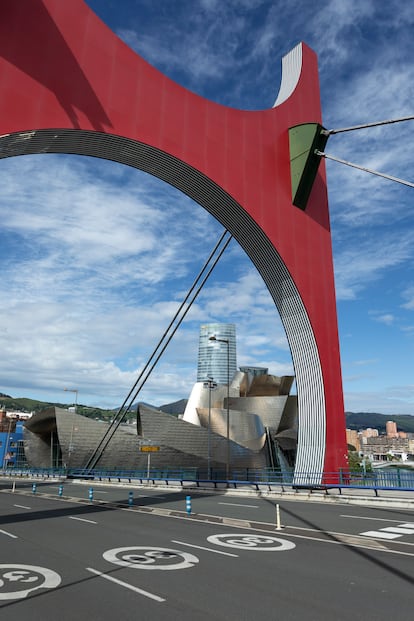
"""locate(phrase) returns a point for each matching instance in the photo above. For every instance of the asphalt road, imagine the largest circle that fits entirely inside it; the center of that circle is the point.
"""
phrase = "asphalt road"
(69, 558)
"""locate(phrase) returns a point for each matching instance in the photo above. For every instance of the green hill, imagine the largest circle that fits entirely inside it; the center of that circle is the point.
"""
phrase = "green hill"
(354, 420)
(23, 404)
(362, 420)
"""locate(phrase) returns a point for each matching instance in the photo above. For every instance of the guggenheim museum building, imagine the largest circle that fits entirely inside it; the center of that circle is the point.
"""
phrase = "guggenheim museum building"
(235, 418)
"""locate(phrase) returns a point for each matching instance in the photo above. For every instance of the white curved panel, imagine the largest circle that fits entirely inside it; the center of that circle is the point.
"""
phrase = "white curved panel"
(291, 68)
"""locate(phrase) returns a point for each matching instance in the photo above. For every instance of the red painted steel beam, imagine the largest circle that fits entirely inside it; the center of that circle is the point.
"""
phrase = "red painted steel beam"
(62, 68)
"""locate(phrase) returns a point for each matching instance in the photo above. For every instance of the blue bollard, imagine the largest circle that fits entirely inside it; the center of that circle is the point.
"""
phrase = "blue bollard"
(130, 498)
(91, 494)
(188, 504)
(34, 488)
(60, 490)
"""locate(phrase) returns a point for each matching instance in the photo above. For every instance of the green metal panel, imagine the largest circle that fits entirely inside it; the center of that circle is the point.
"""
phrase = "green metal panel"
(303, 141)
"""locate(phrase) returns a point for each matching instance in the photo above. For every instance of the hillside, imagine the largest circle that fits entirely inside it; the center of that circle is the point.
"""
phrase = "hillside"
(23, 404)
(354, 420)
(175, 408)
(362, 420)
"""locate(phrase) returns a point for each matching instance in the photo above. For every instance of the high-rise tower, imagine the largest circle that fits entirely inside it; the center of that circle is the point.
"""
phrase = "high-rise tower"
(212, 355)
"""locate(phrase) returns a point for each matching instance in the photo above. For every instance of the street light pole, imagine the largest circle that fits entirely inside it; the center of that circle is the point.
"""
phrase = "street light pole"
(75, 390)
(210, 384)
(226, 341)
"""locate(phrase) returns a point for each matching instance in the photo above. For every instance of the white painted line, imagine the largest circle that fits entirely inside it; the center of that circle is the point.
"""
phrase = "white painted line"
(407, 525)
(378, 519)
(21, 507)
(4, 532)
(399, 530)
(233, 504)
(190, 545)
(72, 517)
(157, 598)
(379, 534)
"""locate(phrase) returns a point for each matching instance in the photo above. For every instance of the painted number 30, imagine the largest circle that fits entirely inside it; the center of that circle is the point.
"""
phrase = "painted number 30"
(147, 557)
(244, 541)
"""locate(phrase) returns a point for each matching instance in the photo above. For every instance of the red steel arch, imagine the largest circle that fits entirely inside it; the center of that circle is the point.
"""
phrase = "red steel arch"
(68, 84)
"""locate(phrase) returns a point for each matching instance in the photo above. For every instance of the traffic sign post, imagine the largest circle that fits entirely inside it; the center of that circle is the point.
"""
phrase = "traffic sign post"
(149, 448)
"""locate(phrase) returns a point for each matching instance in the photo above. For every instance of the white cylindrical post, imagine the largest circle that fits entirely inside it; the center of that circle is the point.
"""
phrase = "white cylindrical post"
(278, 525)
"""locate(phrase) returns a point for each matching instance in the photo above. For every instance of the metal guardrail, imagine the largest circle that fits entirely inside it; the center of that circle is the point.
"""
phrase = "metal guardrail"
(380, 479)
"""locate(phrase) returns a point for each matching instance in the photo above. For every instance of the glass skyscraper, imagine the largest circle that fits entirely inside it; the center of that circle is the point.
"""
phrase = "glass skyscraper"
(212, 355)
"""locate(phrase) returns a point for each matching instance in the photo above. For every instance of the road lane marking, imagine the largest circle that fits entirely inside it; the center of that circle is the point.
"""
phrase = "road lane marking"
(378, 519)
(391, 532)
(190, 545)
(356, 541)
(366, 544)
(21, 507)
(233, 504)
(235, 522)
(399, 530)
(72, 517)
(378, 534)
(157, 598)
(4, 532)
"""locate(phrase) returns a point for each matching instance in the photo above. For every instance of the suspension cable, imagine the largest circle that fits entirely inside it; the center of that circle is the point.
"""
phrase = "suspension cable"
(138, 385)
(363, 168)
(329, 132)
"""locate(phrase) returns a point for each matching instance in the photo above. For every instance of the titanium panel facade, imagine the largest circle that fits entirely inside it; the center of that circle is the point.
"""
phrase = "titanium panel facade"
(49, 435)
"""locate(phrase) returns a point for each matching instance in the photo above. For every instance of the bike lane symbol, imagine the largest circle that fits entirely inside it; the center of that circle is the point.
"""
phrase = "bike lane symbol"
(145, 557)
(248, 541)
(17, 581)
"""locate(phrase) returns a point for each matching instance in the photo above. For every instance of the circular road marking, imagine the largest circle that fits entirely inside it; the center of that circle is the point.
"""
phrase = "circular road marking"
(144, 557)
(247, 541)
(17, 581)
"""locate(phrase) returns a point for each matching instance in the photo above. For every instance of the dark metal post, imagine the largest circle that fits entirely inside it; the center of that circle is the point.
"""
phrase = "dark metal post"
(227, 342)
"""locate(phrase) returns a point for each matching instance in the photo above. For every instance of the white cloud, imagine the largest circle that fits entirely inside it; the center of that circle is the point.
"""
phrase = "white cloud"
(387, 319)
(408, 295)
(95, 270)
(357, 265)
(363, 363)
(390, 400)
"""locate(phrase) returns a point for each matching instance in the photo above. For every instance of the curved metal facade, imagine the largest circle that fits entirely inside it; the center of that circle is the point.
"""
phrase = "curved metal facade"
(59, 437)
(234, 163)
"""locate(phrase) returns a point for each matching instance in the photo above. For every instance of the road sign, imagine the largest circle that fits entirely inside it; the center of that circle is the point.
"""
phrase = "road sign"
(149, 449)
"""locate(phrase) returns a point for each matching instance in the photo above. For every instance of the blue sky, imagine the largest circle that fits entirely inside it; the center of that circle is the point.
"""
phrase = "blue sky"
(94, 260)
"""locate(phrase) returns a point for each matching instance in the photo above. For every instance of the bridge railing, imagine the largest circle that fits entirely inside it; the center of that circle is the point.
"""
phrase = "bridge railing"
(379, 479)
